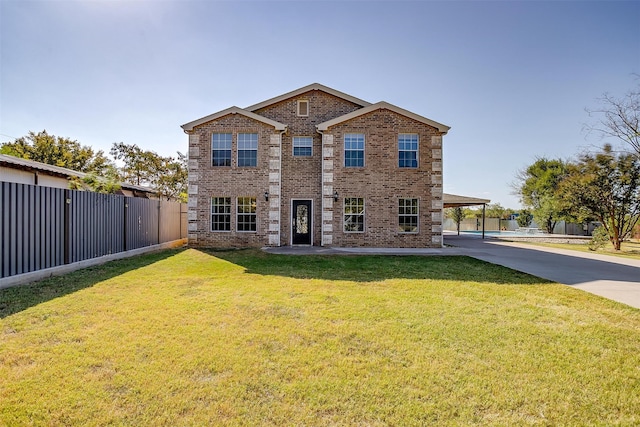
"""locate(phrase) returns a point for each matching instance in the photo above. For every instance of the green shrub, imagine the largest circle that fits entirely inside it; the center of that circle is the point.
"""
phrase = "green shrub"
(599, 239)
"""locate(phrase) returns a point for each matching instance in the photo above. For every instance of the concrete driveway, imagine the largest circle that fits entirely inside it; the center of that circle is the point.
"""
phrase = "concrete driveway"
(611, 277)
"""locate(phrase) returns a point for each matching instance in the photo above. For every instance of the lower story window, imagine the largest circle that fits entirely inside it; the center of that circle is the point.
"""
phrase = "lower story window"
(354, 215)
(221, 214)
(246, 216)
(408, 215)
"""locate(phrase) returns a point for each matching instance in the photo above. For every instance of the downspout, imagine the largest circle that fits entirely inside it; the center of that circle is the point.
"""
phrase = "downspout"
(280, 183)
(321, 185)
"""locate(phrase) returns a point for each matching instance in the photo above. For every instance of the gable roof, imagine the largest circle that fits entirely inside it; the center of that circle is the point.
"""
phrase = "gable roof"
(383, 106)
(233, 110)
(313, 86)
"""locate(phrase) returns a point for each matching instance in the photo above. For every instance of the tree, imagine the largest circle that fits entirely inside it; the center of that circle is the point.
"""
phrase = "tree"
(605, 185)
(108, 182)
(537, 187)
(57, 151)
(524, 219)
(457, 215)
(495, 210)
(172, 182)
(166, 175)
(619, 118)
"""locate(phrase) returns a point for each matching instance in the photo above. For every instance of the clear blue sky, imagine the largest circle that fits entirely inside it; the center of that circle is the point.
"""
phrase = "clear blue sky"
(511, 78)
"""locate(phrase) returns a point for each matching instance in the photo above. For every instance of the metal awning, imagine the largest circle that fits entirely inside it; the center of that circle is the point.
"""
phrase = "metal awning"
(454, 201)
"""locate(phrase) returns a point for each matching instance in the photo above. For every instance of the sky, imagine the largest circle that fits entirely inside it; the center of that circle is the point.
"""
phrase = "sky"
(511, 78)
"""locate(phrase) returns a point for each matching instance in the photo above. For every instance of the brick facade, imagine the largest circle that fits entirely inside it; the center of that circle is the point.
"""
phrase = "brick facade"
(290, 179)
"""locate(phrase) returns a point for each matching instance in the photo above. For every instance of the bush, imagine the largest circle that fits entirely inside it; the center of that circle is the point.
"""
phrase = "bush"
(599, 239)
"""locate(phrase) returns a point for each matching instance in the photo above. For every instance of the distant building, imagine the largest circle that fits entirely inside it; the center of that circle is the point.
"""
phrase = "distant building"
(23, 171)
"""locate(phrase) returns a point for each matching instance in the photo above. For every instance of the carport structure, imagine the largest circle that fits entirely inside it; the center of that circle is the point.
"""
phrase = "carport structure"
(456, 201)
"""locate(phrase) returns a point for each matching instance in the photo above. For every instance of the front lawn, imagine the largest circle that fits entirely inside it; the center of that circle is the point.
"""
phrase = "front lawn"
(188, 337)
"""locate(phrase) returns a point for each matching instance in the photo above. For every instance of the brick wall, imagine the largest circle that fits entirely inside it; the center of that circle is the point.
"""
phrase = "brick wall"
(301, 176)
(206, 182)
(381, 182)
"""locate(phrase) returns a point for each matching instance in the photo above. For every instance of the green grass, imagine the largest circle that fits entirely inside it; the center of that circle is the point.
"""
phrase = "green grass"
(628, 249)
(188, 337)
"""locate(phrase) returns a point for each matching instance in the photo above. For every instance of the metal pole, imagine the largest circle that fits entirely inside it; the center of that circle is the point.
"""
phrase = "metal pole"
(484, 205)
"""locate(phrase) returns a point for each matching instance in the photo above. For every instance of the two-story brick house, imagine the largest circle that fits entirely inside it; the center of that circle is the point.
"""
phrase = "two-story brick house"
(315, 167)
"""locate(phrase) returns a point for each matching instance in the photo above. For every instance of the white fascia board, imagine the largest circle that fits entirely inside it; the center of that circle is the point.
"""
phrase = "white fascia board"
(313, 86)
(233, 110)
(383, 106)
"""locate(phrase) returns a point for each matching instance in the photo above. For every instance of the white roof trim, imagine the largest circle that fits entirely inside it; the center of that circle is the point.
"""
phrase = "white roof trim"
(382, 106)
(233, 110)
(313, 86)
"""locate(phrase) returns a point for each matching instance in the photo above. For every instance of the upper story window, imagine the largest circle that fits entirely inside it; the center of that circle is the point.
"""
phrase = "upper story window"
(354, 150)
(408, 215)
(221, 149)
(303, 108)
(408, 150)
(247, 149)
(302, 145)
(354, 215)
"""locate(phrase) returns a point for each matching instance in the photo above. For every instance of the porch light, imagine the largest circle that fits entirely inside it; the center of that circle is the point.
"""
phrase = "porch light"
(266, 196)
(335, 196)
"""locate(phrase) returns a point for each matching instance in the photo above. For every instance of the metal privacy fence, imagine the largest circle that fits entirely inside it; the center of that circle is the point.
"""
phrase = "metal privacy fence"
(43, 227)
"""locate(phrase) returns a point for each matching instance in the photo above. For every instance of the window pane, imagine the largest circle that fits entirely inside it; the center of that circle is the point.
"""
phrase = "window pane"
(353, 214)
(246, 214)
(221, 149)
(408, 150)
(221, 214)
(354, 150)
(408, 215)
(302, 145)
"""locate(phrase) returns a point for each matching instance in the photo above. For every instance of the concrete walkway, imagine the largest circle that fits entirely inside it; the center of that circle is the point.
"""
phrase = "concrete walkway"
(611, 277)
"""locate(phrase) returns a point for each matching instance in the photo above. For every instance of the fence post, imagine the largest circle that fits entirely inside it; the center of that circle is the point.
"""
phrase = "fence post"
(67, 226)
(159, 209)
(124, 228)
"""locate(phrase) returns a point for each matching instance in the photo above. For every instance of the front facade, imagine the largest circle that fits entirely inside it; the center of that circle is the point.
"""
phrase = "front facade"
(315, 167)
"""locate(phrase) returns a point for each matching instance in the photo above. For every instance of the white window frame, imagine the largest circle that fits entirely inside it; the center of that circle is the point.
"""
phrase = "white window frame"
(298, 103)
(344, 215)
(238, 142)
(417, 151)
(230, 150)
(417, 215)
(255, 214)
(293, 144)
(212, 214)
(344, 149)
